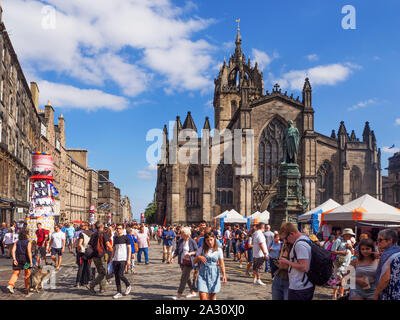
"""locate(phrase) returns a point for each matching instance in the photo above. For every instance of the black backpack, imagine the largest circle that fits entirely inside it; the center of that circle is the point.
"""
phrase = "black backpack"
(321, 265)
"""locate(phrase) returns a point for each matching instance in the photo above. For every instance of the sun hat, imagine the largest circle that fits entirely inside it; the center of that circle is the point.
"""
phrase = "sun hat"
(348, 231)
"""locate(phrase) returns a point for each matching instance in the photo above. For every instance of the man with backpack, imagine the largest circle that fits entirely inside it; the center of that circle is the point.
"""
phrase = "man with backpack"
(100, 243)
(309, 264)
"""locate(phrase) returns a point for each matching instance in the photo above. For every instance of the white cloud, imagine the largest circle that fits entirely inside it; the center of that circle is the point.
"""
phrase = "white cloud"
(92, 36)
(144, 175)
(66, 96)
(398, 122)
(387, 150)
(185, 64)
(312, 57)
(320, 75)
(263, 59)
(362, 104)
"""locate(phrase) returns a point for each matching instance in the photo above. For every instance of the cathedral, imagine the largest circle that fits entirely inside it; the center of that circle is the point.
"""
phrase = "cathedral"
(340, 166)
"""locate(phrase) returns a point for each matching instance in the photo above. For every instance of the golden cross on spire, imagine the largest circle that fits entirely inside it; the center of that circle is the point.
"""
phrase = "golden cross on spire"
(238, 21)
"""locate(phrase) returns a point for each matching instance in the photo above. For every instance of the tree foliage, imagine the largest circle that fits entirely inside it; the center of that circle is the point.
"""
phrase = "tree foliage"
(150, 212)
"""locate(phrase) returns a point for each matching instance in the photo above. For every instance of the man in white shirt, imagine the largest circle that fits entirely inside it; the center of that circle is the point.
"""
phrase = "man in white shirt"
(227, 236)
(57, 245)
(299, 264)
(260, 252)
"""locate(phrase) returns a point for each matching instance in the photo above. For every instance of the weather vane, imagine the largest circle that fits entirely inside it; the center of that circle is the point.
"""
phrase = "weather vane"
(238, 21)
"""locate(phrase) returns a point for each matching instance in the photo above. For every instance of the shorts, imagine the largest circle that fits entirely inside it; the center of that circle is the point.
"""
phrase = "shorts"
(56, 251)
(258, 262)
(68, 241)
(250, 255)
(40, 251)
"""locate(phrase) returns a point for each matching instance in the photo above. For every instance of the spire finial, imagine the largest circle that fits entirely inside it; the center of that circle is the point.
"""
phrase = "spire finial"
(238, 39)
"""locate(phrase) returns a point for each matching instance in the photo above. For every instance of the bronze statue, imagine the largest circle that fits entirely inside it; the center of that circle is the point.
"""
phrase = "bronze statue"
(290, 144)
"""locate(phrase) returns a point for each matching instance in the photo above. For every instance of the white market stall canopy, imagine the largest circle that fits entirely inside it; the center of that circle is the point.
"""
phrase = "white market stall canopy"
(232, 216)
(223, 214)
(255, 215)
(325, 207)
(366, 209)
(260, 216)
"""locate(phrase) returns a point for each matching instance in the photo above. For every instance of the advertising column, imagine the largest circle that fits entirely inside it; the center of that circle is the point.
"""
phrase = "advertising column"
(42, 202)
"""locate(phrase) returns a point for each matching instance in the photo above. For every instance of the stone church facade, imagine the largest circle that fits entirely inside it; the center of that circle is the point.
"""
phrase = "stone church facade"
(341, 166)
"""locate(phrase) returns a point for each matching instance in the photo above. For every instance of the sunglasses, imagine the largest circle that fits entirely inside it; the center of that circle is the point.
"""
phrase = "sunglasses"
(380, 240)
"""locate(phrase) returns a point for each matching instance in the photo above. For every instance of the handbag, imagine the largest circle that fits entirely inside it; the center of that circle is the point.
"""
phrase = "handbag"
(187, 262)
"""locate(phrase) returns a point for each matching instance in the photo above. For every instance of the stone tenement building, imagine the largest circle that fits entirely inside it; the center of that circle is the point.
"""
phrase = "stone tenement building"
(340, 166)
(25, 128)
(391, 183)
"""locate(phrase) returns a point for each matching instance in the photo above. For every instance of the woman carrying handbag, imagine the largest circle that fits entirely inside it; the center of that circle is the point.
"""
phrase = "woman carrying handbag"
(186, 249)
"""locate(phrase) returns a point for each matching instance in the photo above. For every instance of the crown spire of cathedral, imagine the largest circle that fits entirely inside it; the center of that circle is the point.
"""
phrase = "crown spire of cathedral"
(238, 42)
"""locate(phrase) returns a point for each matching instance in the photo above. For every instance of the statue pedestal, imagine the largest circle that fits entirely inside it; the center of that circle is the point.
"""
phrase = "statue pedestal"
(289, 202)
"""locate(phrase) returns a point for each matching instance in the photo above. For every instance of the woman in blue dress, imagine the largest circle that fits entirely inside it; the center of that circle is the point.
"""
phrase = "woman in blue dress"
(209, 256)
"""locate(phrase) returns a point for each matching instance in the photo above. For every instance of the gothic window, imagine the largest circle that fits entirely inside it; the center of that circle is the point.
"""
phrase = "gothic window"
(193, 187)
(270, 151)
(224, 184)
(355, 182)
(324, 183)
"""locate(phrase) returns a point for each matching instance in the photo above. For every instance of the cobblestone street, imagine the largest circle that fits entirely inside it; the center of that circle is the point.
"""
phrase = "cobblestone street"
(156, 281)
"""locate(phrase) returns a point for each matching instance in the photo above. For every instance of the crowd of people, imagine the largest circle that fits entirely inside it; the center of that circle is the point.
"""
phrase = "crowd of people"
(367, 268)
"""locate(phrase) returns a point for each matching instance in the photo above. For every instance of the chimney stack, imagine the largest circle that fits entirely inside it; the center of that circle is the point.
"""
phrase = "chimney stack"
(35, 95)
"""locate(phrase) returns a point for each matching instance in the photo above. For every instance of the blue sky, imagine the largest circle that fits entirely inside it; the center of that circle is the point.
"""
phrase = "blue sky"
(117, 69)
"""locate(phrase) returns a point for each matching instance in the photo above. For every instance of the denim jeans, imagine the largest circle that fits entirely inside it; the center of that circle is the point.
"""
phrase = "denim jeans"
(272, 266)
(146, 254)
(267, 265)
(228, 248)
(280, 289)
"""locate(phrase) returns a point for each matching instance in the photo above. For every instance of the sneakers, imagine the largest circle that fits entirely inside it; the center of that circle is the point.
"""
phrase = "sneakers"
(255, 281)
(128, 290)
(118, 295)
(10, 289)
(190, 295)
(260, 283)
(240, 266)
(175, 298)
